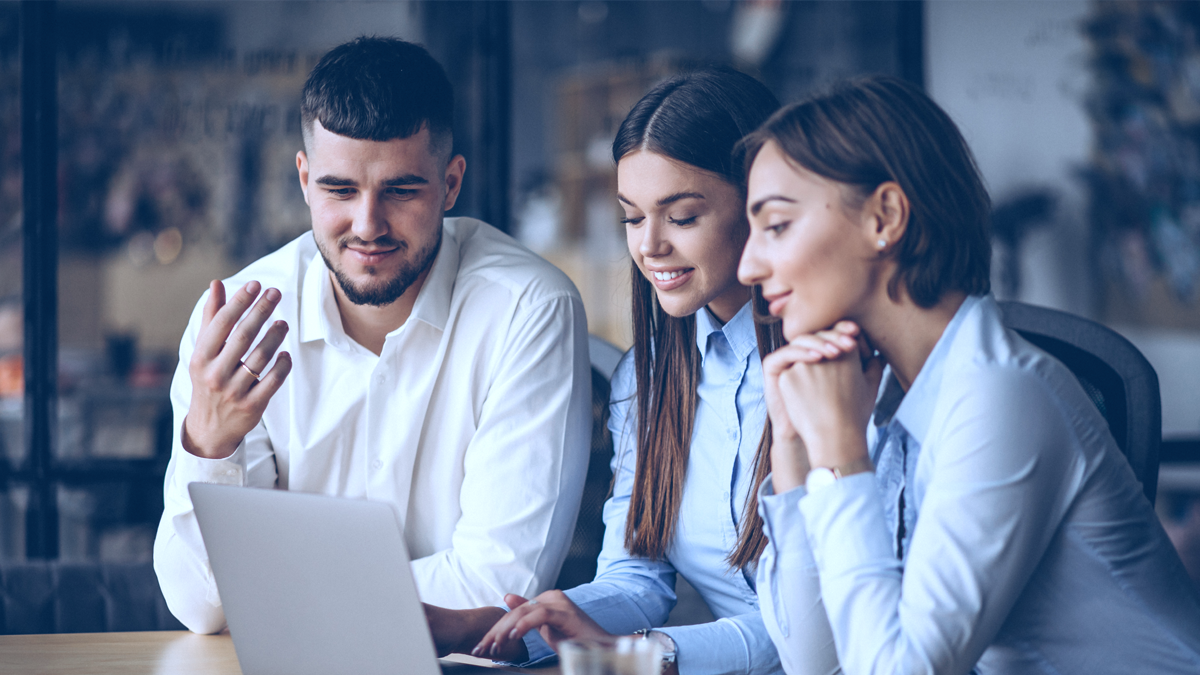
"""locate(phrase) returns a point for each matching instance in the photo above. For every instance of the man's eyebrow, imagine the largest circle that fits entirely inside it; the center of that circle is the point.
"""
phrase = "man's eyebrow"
(758, 205)
(397, 181)
(406, 179)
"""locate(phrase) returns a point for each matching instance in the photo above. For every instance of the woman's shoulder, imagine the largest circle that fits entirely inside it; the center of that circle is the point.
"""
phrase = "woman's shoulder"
(992, 367)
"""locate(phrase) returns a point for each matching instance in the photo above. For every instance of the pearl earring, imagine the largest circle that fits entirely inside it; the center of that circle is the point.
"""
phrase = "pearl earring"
(882, 243)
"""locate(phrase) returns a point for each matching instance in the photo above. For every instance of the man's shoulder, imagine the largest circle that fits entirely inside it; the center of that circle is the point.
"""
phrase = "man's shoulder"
(490, 256)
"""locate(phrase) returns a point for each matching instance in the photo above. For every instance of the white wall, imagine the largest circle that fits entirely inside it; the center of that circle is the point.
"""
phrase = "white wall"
(1012, 74)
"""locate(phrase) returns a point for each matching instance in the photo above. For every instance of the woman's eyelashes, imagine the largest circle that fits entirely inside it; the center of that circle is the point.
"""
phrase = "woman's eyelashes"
(777, 228)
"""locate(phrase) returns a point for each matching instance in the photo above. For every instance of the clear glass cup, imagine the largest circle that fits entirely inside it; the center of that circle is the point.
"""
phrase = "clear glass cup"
(615, 656)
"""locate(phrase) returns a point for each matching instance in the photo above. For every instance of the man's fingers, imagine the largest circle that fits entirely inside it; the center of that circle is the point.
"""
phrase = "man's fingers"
(270, 383)
(216, 300)
(260, 357)
(243, 336)
(211, 341)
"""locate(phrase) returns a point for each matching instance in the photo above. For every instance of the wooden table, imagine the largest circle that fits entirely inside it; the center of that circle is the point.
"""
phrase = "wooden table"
(152, 653)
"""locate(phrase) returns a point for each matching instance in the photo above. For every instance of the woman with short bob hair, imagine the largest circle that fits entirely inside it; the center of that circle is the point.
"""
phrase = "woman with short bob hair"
(974, 514)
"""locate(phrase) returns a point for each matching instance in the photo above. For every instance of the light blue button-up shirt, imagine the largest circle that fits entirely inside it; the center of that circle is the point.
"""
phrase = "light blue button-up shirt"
(1003, 531)
(630, 593)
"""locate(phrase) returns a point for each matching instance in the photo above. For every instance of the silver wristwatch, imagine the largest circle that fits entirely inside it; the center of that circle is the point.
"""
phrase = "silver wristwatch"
(664, 640)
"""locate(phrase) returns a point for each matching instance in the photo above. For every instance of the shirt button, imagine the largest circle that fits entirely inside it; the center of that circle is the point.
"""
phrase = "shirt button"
(376, 465)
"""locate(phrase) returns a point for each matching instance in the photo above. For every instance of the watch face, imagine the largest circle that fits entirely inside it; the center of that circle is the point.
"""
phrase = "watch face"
(819, 478)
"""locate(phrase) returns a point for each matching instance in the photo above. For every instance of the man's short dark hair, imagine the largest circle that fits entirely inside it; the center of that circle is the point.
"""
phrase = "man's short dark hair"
(380, 89)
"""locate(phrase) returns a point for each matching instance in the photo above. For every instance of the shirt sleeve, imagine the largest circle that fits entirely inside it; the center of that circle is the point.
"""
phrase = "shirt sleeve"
(630, 593)
(789, 592)
(180, 560)
(524, 467)
(1001, 466)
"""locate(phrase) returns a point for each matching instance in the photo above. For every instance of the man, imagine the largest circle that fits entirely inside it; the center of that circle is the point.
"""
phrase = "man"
(435, 364)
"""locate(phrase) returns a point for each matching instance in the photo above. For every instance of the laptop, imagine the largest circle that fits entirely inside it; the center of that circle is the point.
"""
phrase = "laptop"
(315, 584)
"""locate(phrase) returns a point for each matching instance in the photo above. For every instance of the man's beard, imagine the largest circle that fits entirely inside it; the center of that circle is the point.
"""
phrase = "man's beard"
(386, 291)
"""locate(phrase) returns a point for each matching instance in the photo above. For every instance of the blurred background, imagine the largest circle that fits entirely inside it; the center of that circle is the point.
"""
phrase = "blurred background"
(167, 141)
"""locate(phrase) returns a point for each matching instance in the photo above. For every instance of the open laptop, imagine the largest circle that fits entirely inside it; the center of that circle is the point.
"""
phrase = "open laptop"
(315, 584)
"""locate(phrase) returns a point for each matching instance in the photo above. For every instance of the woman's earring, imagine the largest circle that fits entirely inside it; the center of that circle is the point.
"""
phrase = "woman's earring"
(882, 244)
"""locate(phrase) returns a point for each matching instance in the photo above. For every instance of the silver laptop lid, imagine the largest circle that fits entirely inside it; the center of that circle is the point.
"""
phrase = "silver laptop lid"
(313, 584)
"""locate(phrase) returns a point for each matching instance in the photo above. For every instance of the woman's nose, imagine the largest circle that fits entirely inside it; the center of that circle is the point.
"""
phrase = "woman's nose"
(653, 243)
(751, 269)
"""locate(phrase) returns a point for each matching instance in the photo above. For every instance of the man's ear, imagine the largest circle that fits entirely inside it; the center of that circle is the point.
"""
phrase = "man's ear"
(888, 211)
(302, 169)
(455, 169)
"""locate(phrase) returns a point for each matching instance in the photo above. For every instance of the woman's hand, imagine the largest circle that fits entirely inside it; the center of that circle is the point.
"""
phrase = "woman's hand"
(552, 614)
(820, 390)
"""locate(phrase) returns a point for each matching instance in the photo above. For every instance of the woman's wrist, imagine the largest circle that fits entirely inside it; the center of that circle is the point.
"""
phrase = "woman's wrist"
(841, 447)
(789, 463)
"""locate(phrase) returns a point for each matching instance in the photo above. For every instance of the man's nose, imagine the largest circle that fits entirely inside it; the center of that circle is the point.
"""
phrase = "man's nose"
(370, 220)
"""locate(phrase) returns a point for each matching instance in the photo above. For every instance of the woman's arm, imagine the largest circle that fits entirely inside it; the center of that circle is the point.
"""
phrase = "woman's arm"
(999, 450)
(789, 592)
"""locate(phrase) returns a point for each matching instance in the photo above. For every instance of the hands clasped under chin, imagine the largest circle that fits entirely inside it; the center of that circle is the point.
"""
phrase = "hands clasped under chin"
(820, 390)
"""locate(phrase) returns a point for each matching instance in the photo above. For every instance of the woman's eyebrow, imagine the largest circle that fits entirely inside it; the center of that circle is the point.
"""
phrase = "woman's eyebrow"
(758, 205)
(671, 199)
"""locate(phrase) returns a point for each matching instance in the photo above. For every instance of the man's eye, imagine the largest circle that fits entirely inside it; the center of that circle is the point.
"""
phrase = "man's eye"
(401, 193)
(341, 192)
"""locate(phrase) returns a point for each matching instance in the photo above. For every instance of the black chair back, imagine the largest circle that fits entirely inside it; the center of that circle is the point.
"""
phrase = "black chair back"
(1119, 380)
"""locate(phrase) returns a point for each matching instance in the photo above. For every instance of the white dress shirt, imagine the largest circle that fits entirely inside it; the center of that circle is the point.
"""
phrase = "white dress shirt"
(474, 422)
(1003, 531)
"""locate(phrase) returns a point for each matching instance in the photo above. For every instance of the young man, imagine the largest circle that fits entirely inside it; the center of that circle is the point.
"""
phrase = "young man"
(432, 363)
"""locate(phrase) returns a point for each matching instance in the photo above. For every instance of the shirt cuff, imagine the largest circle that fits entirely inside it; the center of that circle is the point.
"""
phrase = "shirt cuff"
(784, 525)
(229, 470)
(539, 651)
(845, 524)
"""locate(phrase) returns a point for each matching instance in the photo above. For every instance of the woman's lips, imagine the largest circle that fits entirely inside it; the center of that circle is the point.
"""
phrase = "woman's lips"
(667, 280)
(776, 303)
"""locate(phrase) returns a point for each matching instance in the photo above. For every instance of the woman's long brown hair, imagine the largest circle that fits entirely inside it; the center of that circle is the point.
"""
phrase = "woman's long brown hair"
(667, 366)
(696, 119)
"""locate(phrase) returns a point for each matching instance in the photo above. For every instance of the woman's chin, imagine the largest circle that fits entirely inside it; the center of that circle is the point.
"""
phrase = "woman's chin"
(678, 307)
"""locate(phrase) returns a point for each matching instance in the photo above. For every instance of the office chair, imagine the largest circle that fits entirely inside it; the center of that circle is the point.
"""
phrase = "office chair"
(1119, 380)
(580, 565)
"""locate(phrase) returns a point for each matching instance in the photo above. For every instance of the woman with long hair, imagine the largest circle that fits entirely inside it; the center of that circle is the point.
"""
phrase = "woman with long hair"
(687, 414)
(974, 514)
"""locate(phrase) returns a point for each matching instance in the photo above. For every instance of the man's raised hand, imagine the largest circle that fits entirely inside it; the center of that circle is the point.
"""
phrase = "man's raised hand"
(230, 391)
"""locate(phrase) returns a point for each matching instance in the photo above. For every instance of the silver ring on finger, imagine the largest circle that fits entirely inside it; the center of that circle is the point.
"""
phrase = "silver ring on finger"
(253, 374)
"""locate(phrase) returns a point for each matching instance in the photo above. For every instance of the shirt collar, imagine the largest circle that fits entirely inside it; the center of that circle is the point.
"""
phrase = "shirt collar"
(914, 409)
(738, 331)
(433, 302)
(320, 320)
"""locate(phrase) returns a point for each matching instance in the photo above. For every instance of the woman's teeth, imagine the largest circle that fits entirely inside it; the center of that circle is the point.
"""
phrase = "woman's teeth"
(667, 276)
